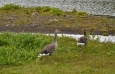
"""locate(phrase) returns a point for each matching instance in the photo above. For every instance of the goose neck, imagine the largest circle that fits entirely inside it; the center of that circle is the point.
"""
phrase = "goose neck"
(55, 37)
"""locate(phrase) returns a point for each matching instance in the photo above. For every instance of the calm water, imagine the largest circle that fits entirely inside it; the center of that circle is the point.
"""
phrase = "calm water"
(97, 7)
(96, 37)
(100, 38)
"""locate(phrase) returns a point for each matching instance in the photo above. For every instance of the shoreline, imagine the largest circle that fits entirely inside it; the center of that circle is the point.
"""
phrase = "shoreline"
(46, 30)
(46, 19)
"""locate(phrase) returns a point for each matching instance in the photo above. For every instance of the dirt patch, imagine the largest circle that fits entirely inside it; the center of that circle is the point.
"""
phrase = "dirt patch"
(45, 29)
(37, 29)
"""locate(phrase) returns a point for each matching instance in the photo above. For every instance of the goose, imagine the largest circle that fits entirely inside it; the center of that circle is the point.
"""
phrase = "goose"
(50, 48)
(82, 41)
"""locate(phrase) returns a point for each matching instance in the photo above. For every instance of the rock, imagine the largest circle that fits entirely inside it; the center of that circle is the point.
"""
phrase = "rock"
(35, 14)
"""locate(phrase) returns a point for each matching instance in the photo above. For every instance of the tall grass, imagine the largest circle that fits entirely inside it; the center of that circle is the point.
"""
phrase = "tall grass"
(18, 48)
(23, 48)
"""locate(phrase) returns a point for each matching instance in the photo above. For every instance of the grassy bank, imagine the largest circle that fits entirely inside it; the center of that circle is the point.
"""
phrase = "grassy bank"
(18, 16)
(18, 54)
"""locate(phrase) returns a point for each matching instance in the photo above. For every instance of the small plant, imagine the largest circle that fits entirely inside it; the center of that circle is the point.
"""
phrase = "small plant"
(11, 6)
(38, 9)
(56, 11)
(46, 9)
(82, 13)
(74, 11)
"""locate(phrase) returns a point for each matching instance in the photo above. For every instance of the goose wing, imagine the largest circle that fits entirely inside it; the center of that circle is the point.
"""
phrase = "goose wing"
(83, 40)
(50, 48)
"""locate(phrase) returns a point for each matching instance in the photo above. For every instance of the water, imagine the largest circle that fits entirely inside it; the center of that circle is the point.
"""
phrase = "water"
(96, 7)
(100, 38)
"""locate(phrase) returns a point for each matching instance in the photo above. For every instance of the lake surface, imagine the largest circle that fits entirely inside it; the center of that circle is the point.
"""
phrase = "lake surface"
(96, 7)
(100, 38)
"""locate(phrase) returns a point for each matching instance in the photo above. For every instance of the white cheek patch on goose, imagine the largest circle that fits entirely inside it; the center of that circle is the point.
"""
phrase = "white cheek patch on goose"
(80, 44)
(43, 54)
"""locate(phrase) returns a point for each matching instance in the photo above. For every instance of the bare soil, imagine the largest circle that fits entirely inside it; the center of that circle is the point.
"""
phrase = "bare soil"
(42, 29)
(37, 29)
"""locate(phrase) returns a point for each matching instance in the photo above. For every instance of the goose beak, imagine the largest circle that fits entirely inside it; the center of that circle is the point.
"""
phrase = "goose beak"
(59, 30)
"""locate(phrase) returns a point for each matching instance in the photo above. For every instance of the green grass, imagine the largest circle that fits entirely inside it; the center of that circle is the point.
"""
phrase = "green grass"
(56, 11)
(11, 7)
(18, 55)
(45, 9)
(18, 52)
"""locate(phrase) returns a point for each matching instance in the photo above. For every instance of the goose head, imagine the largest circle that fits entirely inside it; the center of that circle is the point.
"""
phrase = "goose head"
(57, 31)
